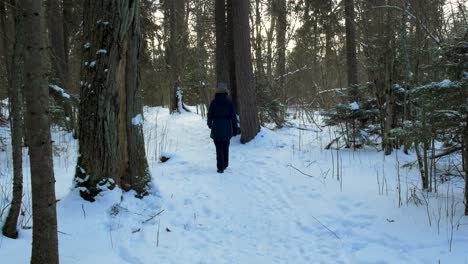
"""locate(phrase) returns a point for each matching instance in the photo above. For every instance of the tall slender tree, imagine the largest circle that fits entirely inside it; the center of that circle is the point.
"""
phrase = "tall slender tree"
(243, 67)
(281, 24)
(57, 41)
(45, 242)
(231, 55)
(16, 124)
(351, 42)
(222, 74)
(110, 121)
(176, 45)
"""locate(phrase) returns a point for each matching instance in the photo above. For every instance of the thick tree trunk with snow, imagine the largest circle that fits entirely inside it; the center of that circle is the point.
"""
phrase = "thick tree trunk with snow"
(111, 136)
(16, 124)
(36, 90)
(176, 45)
(244, 76)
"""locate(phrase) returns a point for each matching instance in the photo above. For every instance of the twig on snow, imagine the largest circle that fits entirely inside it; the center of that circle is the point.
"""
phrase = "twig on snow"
(331, 231)
(305, 174)
(84, 212)
(152, 217)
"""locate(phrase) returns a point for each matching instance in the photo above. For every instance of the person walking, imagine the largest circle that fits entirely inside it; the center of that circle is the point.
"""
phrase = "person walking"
(222, 121)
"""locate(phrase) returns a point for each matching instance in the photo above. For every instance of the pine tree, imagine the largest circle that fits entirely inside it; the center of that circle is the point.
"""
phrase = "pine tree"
(45, 242)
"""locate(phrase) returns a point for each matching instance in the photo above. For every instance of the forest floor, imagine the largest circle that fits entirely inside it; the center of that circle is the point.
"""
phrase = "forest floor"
(283, 199)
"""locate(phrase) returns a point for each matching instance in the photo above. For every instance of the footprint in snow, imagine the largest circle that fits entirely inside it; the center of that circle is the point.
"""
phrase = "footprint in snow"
(314, 196)
(206, 211)
(343, 207)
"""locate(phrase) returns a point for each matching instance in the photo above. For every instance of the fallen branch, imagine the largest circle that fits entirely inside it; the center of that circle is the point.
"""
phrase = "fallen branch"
(305, 174)
(331, 231)
(301, 128)
(447, 152)
(157, 238)
(152, 217)
(63, 233)
(84, 212)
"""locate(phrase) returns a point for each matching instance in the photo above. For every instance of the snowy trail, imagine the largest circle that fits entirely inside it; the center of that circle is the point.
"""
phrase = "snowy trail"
(246, 210)
(261, 210)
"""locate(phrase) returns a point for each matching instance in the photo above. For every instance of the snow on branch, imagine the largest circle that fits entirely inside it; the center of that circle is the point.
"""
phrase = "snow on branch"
(291, 73)
(60, 90)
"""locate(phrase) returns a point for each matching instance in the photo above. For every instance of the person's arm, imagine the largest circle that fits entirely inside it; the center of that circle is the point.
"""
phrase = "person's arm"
(210, 116)
(235, 127)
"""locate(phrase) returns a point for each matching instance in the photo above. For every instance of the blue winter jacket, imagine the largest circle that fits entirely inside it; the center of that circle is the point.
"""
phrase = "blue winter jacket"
(222, 118)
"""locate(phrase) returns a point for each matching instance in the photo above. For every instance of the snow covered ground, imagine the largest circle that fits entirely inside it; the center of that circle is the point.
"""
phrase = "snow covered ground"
(283, 199)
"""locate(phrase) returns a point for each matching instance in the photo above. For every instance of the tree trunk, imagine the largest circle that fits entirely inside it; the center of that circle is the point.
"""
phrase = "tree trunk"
(45, 242)
(176, 46)
(58, 55)
(260, 72)
(421, 163)
(243, 65)
(202, 59)
(351, 59)
(231, 56)
(329, 35)
(56, 40)
(111, 136)
(465, 156)
(222, 74)
(16, 123)
(7, 28)
(281, 23)
(269, 55)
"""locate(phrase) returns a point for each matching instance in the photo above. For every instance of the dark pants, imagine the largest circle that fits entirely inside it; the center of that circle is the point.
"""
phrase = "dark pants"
(222, 154)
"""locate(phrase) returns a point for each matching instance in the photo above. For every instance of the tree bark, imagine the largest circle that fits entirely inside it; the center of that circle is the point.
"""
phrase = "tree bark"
(176, 46)
(7, 28)
(222, 74)
(465, 156)
(281, 23)
(16, 123)
(243, 65)
(231, 56)
(351, 43)
(45, 242)
(57, 41)
(58, 54)
(420, 160)
(260, 71)
(111, 136)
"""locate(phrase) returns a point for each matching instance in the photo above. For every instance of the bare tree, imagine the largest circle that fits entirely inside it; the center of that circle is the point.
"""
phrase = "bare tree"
(222, 74)
(175, 12)
(110, 121)
(16, 124)
(465, 162)
(281, 24)
(58, 56)
(231, 55)
(351, 42)
(45, 242)
(57, 41)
